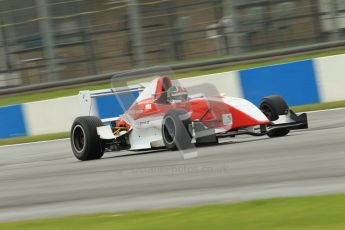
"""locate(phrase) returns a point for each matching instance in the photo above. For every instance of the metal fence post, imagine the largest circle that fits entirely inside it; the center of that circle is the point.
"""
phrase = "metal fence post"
(230, 15)
(8, 35)
(136, 33)
(87, 37)
(48, 39)
(334, 17)
(3, 61)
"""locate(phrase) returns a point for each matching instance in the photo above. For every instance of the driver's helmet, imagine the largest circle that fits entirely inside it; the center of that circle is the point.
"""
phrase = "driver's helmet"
(177, 94)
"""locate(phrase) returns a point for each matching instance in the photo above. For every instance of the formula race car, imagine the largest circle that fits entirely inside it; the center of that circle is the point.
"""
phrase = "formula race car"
(165, 116)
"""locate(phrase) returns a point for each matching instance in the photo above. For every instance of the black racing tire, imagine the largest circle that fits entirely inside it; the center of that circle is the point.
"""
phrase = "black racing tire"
(272, 107)
(175, 131)
(85, 142)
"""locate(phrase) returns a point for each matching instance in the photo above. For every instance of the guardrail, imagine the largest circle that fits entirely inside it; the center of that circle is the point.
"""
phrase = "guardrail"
(183, 67)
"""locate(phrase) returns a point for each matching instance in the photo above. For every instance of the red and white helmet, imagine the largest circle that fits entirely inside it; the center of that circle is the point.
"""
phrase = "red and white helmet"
(177, 94)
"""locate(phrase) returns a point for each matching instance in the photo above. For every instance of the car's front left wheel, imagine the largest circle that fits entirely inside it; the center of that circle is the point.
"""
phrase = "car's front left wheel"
(175, 130)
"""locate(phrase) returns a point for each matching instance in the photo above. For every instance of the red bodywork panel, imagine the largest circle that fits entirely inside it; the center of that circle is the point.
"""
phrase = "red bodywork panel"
(208, 110)
(211, 111)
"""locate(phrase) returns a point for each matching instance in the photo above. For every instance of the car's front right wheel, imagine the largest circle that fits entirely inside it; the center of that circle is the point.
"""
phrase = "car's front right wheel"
(272, 107)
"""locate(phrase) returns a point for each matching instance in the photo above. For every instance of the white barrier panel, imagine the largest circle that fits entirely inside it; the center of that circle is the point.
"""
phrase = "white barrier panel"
(330, 72)
(51, 116)
(227, 83)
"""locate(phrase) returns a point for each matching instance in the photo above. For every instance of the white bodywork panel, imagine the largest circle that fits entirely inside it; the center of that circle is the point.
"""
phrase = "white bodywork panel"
(109, 119)
(145, 138)
(105, 133)
(243, 106)
(148, 91)
(146, 133)
(85, 102)
(283, 119)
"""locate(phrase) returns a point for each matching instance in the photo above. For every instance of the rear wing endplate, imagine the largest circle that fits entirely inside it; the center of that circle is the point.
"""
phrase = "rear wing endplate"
(86, 97)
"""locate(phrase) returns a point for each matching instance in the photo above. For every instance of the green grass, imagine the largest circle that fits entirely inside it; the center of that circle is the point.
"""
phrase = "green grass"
(55, 93)
(319, 212)
(45, 137)
(37, 96)
(321, 106)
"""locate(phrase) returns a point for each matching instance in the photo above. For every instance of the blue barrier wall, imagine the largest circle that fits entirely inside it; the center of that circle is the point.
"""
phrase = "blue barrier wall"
(302, 82)
(295, 81)
(12, 122)
(114, 105)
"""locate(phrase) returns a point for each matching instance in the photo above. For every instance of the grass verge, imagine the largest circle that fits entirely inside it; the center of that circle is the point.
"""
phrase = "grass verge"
(321, 106)
(45, 137)
(36, 96)
(314, 212)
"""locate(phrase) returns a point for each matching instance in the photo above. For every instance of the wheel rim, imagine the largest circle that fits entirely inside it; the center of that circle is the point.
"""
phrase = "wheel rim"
(267, 111)
(169, 130)
(78, 138)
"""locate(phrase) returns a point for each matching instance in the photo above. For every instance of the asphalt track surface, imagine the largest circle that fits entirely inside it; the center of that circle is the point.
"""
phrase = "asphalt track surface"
(44, 179)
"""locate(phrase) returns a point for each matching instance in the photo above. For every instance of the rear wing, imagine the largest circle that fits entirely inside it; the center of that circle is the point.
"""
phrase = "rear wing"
(87, 98)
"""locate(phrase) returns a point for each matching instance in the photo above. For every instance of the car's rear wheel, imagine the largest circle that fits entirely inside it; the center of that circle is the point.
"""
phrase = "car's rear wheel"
(273, 107)
(85, 142)
(175, 131)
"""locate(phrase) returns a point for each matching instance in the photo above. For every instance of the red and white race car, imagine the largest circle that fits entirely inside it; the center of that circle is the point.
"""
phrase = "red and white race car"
(165, 116)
